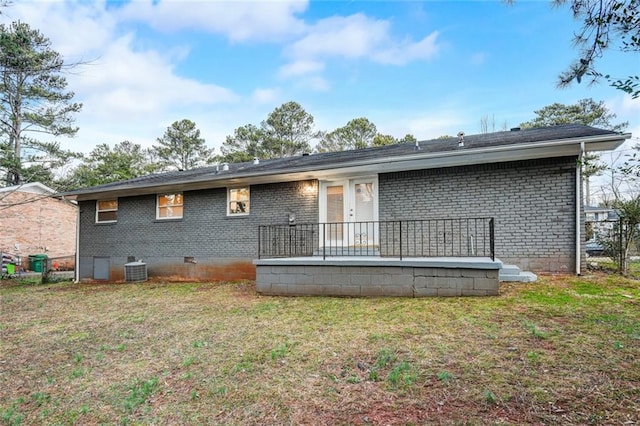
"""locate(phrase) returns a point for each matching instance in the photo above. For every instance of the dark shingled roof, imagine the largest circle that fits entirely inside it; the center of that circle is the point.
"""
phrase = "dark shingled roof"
(336, 159)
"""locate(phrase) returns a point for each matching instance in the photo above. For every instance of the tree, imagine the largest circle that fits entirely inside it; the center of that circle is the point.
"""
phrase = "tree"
(182, 148)
(606, 24)
(244, 145)
(102, 165)
(34, 100)
(591, 166)
(623, 195)
(408, 138)
(487, 124)
(356, 134)
(587, 112)
(287, 131)
(380, 140)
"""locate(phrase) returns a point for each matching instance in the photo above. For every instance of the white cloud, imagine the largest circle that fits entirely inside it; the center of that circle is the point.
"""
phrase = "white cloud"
(237, 20)
(353, 36)
(358, 36)
(132, 91)
(73, 28)
(316, 83)
(125, 82)
(623, 104)
(630, 105)
(128, 92)
(301, 67)
(265, 96)
(433, 124)
(424, 124)
(626, 109)
(407, 51)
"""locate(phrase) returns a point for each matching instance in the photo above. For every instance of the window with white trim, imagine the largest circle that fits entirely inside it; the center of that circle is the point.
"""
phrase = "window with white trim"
(169, 206)
(106, 211)
(238, 201)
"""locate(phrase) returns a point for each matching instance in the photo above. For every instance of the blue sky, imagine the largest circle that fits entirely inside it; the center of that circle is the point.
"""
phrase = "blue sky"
(425, 68)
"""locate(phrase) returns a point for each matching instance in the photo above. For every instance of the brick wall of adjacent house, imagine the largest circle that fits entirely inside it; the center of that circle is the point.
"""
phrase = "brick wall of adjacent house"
(221, 247)
(533, 203)
(37, 224)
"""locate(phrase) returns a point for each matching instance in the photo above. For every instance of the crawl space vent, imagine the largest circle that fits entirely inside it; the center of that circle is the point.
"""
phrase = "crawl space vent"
(135, 271)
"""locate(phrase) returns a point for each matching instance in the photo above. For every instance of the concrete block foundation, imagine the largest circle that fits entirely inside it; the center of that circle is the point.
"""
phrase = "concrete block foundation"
(374, 277)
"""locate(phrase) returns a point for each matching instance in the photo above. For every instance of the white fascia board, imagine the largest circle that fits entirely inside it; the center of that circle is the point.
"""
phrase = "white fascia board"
(31, 187)
(417, 161)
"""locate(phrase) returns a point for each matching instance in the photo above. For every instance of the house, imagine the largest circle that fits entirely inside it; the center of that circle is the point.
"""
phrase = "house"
(32, 221)
(459, 207)
(599, 222)
(601, 225)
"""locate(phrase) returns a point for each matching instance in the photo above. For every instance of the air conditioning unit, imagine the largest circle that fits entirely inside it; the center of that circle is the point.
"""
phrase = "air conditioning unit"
(135, 271)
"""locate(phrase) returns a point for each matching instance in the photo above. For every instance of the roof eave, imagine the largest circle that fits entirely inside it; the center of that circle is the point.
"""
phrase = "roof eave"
(417, 161)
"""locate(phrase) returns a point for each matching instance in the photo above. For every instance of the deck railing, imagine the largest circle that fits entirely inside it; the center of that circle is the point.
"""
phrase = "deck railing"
(464, 237)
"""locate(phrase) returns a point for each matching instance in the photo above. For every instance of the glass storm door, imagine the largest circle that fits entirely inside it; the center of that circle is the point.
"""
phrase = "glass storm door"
(335, 213)
(349, 208)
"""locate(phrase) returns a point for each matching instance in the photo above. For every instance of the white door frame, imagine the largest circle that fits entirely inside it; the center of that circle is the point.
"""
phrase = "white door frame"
(349, 213)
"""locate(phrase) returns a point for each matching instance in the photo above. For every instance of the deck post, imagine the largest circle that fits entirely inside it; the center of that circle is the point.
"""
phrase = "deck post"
(492, 248)
(324, 242)
(400, 222)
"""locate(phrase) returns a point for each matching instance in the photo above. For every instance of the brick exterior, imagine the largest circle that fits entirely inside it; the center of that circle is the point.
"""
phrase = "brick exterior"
(533, 203)
(222, 247)
(37, 224)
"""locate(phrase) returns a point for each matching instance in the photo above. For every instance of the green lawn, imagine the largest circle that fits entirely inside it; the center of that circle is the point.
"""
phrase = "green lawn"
(565, 350)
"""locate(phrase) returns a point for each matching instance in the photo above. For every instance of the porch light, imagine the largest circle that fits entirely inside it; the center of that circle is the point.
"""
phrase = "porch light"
(308, 188)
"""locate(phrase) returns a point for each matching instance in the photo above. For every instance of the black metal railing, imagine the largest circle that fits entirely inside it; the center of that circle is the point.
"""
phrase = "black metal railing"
(464, 237)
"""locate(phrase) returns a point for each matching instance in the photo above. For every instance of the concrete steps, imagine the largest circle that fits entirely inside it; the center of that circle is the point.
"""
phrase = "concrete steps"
(511, 273)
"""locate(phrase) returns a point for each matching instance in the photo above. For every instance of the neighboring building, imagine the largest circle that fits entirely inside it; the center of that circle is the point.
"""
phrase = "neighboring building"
(599, 222)
(203, 223)
(33, 222)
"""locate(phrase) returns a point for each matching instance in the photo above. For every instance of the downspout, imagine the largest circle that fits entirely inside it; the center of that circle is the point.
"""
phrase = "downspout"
(579, 209)
(77, 268)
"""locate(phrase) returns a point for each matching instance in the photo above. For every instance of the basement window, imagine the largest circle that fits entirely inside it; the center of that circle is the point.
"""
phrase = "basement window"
(106, 211)
(238, 201)
(169, 206)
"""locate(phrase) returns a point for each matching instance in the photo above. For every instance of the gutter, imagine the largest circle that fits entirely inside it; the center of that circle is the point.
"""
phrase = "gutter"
(503, 148)
(579, 209)
(239, 178)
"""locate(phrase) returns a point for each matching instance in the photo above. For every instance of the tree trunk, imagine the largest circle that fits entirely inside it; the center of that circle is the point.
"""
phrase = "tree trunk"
(587, 192)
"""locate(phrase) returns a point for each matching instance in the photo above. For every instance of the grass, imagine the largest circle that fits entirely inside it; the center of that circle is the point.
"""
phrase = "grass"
(565, 350)
(607, 264)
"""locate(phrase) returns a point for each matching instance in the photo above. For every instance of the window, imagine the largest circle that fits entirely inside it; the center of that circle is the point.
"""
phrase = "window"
(106, 211)
(238, 201)
(169, 206)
